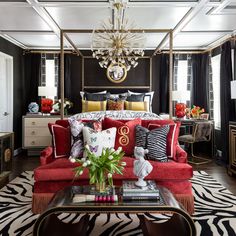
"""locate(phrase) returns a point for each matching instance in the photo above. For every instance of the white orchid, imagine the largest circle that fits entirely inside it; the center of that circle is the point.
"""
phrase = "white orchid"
(110, 157)
(109, 175)
(72, 159)
(85, 164)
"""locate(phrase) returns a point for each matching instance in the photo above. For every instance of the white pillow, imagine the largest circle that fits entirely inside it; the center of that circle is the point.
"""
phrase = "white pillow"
(147, 97)
(97, 140)
(83, 92)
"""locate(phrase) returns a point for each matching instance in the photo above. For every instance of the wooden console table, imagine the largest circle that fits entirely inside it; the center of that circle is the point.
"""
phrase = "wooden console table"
(179, 224)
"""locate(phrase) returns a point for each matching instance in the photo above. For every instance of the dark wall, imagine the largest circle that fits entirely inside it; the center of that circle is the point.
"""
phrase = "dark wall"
(94, 75)
(18, 86)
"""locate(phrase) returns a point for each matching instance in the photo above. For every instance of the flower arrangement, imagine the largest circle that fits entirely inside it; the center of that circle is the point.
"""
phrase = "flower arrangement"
(46, 105)
(196, 111)
(101, 168)
(67, 105)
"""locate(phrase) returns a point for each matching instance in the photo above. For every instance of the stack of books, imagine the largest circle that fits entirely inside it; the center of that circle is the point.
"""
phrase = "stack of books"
(131, 192)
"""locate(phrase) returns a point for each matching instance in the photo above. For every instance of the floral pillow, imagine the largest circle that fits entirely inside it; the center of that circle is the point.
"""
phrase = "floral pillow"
(76, 128)
(97, 140)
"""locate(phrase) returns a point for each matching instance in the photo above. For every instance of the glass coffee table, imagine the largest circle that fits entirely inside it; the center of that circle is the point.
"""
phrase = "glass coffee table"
(180, 223)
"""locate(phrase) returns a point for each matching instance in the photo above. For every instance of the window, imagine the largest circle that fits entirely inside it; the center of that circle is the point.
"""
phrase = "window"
(215, 97)
(182, 80)
(49, 72)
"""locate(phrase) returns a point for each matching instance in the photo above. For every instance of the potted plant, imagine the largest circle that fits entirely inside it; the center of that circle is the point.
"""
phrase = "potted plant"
(101, 168)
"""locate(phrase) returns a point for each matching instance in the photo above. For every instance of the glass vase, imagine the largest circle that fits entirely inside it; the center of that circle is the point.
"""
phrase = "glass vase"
(101, 187)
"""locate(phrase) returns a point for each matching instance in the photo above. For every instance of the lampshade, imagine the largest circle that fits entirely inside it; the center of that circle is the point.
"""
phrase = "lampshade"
(47, 91)
(180, 96)
(233, 89)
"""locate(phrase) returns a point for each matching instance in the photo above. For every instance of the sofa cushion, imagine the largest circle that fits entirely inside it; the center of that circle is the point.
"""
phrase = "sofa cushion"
(62, 169)
(61, 139)
(76, 127)
(154, 141)
(97, 140)
(172, 137)
(125, 136)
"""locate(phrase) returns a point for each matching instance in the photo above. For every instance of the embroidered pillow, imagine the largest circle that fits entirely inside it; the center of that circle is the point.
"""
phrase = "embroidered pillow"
(115, 105)
(93, 106)
(97, 140)
(125, 136)
(172, 137)
(154, 141)
(137, 106)
(61, 140)
(76, 127)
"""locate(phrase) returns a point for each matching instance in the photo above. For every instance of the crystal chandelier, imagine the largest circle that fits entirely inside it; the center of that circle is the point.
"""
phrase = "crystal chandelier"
(115, 43)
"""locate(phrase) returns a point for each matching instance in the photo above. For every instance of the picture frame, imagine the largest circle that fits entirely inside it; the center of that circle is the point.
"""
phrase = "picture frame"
(204, 116)
(116, 72)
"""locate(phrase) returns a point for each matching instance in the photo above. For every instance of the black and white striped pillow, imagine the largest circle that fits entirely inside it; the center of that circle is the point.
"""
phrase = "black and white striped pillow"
(154, 141)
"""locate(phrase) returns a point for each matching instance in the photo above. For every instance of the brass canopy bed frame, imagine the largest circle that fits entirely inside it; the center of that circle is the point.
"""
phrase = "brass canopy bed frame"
(64, 35)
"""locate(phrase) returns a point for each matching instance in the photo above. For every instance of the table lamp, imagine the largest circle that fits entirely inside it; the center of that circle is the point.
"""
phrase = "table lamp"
(233, 89)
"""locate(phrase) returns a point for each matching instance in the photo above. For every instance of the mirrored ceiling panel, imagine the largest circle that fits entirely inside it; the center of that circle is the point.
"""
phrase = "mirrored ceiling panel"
(84, 41)
(156, 17)
(211, 22)
(21, 18)
(37, 40)
(73, 1)
(13, 1)
(195, 40)
(78, 17)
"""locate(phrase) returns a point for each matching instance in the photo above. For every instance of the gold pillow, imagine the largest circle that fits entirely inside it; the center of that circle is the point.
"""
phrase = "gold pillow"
(137, 106)
(93, 106)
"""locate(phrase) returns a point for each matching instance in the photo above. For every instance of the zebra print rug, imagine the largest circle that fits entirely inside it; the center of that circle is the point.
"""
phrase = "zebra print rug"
(215, 210)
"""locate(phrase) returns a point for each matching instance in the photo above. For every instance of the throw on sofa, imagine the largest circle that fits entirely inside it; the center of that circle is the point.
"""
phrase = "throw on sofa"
(56, 173)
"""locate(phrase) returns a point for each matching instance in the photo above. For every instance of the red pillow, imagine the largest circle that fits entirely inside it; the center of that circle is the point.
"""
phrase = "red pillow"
(61, 140)
(125, 135)
(172, 137)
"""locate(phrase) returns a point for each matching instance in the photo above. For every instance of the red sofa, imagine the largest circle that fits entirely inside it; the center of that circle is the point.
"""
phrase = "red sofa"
(55, 174)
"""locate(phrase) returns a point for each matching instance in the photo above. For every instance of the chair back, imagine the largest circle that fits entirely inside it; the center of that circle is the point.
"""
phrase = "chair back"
(202, 131)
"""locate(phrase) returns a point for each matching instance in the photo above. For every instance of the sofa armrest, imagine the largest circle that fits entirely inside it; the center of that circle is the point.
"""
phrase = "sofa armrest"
(46, 156)
(181, 155)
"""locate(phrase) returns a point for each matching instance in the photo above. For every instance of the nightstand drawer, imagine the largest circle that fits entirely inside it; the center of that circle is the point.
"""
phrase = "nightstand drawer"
(39, 122)
(39, 141)
(35, 131)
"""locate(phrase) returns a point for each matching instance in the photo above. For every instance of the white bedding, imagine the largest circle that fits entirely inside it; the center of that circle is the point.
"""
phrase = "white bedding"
(118, 115)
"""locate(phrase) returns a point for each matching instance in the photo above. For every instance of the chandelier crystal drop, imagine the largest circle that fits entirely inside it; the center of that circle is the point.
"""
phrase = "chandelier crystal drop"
(115, 42)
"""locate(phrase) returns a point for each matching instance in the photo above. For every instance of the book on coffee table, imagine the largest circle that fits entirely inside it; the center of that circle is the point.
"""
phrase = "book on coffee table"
(133, 192)
(129, 186)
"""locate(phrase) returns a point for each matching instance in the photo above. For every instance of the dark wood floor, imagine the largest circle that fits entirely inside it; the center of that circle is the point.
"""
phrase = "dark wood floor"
(23, 162)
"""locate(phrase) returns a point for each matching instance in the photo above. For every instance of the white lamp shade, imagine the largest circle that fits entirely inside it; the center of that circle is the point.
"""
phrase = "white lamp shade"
(47, 91)
(181, 96)
(233, 89)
